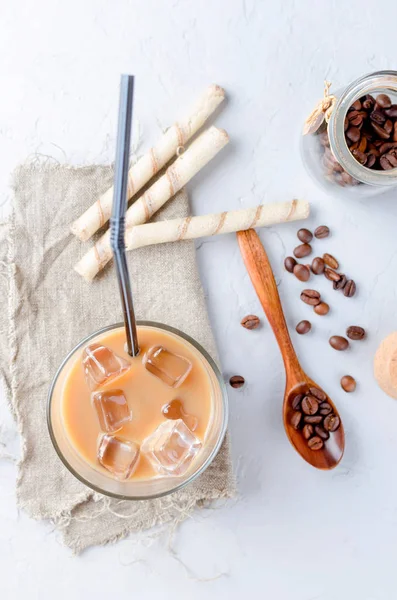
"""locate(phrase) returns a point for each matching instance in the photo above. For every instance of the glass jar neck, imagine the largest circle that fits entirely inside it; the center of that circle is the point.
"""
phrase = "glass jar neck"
(379, 82)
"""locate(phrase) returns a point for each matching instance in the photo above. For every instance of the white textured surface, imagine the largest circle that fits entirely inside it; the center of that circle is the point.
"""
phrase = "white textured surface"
(293, 532)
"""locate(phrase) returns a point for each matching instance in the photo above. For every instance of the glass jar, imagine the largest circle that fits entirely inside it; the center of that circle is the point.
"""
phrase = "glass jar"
(327, 152)
(137, 489)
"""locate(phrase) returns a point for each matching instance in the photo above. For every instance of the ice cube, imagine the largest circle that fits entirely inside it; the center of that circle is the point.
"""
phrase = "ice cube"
(118, 455)
(112, 409)
(174, 410)
(171, 447)
(101, 365)
(171, 368)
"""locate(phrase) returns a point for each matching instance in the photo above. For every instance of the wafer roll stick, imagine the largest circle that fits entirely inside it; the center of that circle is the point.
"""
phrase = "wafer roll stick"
(198, 154)
(151, 162)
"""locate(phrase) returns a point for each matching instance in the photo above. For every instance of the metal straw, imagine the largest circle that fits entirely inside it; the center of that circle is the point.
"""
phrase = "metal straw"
(117, 221)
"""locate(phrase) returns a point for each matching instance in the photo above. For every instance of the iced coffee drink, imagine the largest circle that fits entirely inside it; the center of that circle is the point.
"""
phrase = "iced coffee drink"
(157, 416)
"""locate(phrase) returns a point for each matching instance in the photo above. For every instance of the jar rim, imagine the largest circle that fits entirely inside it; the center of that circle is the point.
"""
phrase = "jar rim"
(381, 81)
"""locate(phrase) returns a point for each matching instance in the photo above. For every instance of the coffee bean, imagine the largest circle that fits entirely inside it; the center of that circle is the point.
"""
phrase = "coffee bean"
(353, 133)
(350, 289)
(395, 132)
(309, 405)
(339, 285)
(321, 232)
(307, 431)
(318, 265)
(289, 264)
(321, 432)
(354, 332)
(331, 274)
(237, 381)
(361, 157)
(362, 146)
(325, 409)
(317, 393)
(303, 327)
(388, 126)
(296, 419)
(355, 106)
(348, 383)
(382, 133)
(338, 342)
(315, 443)
(389, 160)
(305, 236)
(313, 420)
(330, 261)
(377, 117)
(296, 401)
(386, 147)
(250, 322)
(368, 102)
(391, 111)
(302, 250)
(301, 272)
(311, 297)
(322, 309)
(383, 100)
(331, 422)
(371, 160)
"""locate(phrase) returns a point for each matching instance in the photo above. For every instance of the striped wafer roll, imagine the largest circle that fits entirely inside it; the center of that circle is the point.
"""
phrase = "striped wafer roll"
(198, 154)
(151, 162)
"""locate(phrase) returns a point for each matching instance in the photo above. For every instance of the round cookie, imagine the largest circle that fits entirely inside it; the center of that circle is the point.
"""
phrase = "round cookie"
(385, 365)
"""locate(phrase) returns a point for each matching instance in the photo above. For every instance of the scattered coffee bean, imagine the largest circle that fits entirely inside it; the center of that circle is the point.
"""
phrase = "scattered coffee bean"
(302, 250)
(313, 420)
(315, 443)
(321, 232)
(296, 419)
(318, 265)
(311, 297)
(237, 381)
(322, 309)
(296, 402)
(350, 289)
(309, 405)
(321, 432)
(303, 327)
(354, 332)
(305, 236)
(331, 274)
(339, 285)
(348, 383)
(289, 264)
(331, 423)
(325, 409)
(301, 272)
(330, 261)
(307, 431)
(338, 342)
(250, 322)
(317, 393)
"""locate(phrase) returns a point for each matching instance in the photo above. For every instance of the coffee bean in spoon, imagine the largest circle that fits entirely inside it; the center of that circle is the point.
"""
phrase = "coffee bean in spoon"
(338, 342)
(315, 443)
(289, 264)
(318, 266)
(321, 309)
(303, 327)
(331, 422)
(301, 272)
(321, 232)
(296, 419)
(309, 405)
(354, 332)
(325, 409)
(296, 401)
(305, 236)
(302, 250)
(321, 432)
(313, 419)
(317, 393)
(348, 383)
(307, 431)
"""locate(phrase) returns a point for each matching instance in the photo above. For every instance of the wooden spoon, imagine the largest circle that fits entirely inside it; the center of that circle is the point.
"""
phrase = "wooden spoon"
(260, 271)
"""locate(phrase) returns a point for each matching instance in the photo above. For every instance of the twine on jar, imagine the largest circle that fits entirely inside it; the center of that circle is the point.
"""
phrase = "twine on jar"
(323, 110)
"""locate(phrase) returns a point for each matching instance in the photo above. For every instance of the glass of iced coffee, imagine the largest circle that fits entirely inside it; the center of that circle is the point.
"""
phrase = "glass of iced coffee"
(137, 427)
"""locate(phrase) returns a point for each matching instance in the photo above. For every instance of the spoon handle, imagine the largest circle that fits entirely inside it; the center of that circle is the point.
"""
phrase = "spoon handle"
(261, 274)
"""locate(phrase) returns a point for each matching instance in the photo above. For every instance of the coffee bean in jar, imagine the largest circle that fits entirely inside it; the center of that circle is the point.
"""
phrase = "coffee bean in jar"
(350, 138)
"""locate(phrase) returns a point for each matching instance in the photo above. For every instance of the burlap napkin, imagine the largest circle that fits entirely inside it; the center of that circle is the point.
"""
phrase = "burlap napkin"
(50, 308)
